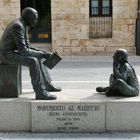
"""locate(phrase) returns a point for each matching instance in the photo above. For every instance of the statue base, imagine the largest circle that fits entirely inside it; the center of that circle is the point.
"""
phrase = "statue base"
(75, 110)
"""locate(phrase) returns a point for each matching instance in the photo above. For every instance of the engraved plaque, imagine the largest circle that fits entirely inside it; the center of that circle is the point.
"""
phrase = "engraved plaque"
(68, 117)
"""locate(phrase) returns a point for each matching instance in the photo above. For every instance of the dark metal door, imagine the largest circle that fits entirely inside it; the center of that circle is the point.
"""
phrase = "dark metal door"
(42, 31)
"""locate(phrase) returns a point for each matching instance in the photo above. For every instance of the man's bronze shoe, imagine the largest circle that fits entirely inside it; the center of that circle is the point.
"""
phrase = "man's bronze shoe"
(53, 88)
(45, 96)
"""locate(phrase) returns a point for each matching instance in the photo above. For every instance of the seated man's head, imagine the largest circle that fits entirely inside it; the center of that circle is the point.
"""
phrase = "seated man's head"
(29, 16)
(120, 56)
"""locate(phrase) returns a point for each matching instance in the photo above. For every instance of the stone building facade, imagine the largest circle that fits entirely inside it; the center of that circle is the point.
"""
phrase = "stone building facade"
(9, 10)
(70, 26)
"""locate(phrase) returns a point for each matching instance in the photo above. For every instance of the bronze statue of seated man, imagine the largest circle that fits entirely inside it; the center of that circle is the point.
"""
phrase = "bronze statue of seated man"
(123, 81)
(15, 48)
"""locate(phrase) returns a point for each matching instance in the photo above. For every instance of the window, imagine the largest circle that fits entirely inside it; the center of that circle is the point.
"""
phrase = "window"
(100, 8)
(100, 18)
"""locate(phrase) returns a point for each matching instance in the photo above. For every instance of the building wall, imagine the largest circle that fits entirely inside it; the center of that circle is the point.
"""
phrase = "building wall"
(70, 28)
(9, 10)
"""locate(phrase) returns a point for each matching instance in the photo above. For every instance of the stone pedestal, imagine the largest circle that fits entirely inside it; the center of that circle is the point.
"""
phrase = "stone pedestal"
(10, 80)
(97, 114)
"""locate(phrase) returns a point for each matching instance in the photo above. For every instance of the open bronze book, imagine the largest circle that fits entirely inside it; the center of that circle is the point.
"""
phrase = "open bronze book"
(52, 60)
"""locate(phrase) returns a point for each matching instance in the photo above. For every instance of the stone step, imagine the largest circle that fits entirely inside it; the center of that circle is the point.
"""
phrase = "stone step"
(75, 110)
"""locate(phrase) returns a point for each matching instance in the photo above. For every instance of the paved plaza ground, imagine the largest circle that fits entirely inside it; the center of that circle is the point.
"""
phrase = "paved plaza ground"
(69, 136)
(83, 72)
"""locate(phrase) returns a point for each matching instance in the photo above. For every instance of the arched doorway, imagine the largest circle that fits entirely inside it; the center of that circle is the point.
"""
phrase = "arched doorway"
(42, 32)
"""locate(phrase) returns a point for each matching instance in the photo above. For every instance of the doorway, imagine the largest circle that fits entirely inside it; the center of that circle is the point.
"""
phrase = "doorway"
(42, 32)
